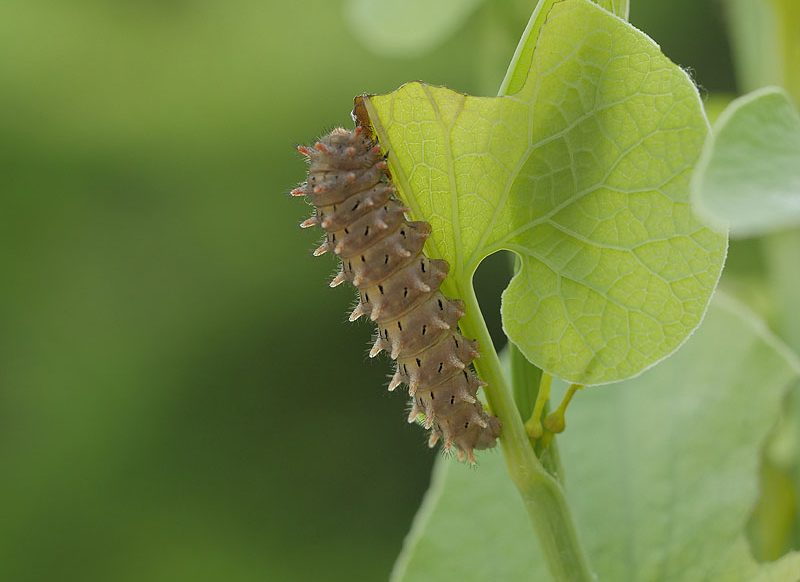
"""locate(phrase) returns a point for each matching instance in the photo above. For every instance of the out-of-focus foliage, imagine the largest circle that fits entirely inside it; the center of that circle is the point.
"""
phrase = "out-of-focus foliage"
(414, 27)
(749, 175)
(661, 472)
(758, 197)
(765, 42)
(411, 27)
(180, 394)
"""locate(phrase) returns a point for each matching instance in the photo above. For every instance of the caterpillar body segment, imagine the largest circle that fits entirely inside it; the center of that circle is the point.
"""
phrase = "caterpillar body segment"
(381, 254)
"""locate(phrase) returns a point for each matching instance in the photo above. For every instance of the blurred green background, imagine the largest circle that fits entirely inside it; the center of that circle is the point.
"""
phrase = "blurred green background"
(181, 397)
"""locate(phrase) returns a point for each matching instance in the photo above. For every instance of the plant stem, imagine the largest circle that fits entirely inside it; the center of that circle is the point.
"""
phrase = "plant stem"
(781, 250)
(542, 494)
(533, 426)
(555, 421)
(525, 378)
(788, 18)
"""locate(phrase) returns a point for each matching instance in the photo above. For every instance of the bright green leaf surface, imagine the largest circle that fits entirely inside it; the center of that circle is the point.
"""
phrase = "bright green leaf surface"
(517, 74)
(661, 472)
(584, 174)
(749, 174)
(407, 28)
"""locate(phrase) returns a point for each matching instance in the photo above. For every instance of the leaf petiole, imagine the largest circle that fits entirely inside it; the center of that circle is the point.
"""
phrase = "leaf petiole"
(533, 426)
(555, 421)
(541, 492)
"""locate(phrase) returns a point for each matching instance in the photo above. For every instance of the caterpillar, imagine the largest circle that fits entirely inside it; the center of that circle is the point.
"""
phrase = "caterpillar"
(381, 254)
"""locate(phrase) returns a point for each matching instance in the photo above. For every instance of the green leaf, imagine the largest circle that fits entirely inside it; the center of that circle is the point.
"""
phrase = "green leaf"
(661, 472)
(518, 71)
(749, 174)
(408, 28)
(584, 174)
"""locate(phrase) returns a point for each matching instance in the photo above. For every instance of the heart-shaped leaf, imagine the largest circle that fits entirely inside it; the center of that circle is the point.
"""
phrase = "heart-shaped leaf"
(583, 172)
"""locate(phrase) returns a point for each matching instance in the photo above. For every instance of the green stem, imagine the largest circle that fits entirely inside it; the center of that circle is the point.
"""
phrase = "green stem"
(621, 8)
(525, 378)
(781, 250)
(533, 426)
(542, 494)
(556, 422)
(545, 449)
(788, 19)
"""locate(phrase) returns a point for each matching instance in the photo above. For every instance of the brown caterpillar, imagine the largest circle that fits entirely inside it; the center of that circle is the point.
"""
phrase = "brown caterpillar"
(381, 254)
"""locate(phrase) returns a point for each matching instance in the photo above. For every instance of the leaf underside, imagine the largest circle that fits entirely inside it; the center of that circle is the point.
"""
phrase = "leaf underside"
(583, 173)
(661, 475)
